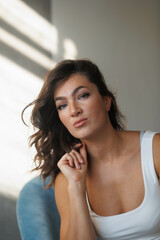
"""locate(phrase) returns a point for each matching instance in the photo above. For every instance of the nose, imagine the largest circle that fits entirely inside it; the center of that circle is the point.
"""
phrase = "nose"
(75, 109)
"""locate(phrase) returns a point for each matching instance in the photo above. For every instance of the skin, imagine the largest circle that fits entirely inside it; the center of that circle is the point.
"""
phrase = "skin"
(112, 173)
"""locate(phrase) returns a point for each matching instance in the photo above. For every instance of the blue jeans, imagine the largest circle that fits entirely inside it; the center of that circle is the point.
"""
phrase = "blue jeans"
(37, 213)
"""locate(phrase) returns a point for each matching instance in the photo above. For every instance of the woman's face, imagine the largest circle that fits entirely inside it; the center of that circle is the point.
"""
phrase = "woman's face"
(81, 108)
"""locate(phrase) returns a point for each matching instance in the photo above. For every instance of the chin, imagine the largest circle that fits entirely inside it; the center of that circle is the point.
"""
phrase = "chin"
(83, 134)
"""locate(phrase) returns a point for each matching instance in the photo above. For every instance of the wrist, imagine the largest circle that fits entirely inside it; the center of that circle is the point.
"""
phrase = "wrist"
(77, 187)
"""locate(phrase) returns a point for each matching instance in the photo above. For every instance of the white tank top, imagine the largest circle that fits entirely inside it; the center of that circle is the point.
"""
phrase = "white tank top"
(142, 223)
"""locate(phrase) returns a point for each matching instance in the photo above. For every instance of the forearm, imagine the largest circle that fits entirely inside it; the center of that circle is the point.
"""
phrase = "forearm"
(80, 225)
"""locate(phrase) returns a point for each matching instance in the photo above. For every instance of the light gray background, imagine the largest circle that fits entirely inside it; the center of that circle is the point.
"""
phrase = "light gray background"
(123, 38)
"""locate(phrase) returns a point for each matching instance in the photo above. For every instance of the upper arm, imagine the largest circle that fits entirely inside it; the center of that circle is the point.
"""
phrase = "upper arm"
(156, 153)
(62, 201)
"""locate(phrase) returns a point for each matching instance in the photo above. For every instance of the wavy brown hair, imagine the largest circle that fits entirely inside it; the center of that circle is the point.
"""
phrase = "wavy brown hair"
(51, 138)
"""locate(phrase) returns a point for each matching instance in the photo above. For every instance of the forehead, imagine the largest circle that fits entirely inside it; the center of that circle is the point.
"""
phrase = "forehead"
(74, 81)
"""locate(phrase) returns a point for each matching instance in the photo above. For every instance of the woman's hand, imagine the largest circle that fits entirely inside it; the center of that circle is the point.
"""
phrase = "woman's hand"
(70, 191)
(74, 164)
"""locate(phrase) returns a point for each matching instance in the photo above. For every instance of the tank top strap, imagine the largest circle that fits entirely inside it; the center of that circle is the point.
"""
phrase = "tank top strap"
(141, 135)
(147, 157)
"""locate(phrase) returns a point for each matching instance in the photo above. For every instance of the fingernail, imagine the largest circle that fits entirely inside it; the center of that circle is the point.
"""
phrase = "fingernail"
(81, 160)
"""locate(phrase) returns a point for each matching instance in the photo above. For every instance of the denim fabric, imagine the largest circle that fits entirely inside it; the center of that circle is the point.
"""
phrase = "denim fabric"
(37, 214)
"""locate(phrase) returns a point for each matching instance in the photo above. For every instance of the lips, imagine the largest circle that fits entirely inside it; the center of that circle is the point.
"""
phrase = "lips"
(80, 122)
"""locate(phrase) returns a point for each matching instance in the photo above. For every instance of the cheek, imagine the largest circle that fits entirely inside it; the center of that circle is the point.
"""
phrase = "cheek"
(97, 107)
(63, 118)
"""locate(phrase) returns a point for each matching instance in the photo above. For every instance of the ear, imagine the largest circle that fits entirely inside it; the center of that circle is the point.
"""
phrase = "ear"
(108, 102)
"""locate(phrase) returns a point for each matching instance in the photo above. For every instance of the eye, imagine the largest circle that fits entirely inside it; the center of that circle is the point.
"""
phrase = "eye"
(84, 95)
(62, 106)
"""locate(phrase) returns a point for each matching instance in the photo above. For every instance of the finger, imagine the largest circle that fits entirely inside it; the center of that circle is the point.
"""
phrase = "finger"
(67, 159)
(83, 152)
(80, 158)
(71, 162)
(64, 166)
(76, 161)
(77, 146)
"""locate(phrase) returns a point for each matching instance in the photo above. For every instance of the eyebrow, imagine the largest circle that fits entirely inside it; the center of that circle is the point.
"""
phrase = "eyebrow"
(72, 94)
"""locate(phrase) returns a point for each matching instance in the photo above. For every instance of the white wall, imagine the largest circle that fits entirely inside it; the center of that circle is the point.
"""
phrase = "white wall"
(123, 38)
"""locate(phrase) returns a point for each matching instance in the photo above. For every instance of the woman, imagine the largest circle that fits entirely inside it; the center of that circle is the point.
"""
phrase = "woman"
(105, 179)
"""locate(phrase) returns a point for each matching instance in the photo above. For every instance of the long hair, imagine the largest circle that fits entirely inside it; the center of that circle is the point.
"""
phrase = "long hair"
(51, 138)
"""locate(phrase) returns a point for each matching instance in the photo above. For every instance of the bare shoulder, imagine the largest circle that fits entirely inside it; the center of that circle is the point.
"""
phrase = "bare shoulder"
(130, 138)
(156, 152)
(128, 134)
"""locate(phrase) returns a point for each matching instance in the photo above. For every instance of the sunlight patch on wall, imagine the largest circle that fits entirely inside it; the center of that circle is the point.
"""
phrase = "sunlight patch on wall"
(30, 23)
(70, 50)
(18, 88)
(26, 49)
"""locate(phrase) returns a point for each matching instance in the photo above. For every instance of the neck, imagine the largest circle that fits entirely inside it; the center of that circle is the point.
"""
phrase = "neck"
(105, 147)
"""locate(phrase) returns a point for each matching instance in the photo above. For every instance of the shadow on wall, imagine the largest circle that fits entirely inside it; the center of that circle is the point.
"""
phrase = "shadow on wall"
(8, 225)
(27, 38)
